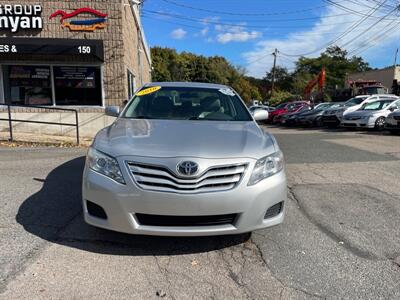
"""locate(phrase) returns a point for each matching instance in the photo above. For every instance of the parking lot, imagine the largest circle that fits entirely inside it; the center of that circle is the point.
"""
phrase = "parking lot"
(340, 239)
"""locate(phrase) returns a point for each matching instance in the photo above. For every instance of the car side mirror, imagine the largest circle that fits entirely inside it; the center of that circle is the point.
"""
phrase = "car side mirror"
(393, 108)
(260, 115)
(112, 111)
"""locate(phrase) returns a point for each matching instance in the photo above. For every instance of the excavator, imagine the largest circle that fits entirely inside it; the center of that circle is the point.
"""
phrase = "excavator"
(318, 80)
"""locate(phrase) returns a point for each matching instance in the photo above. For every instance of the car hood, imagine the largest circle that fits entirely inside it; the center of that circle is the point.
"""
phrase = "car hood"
(170, 138)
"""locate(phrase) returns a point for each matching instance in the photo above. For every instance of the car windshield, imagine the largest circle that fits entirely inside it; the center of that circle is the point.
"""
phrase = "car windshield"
(376, 105)
(282, 105)
(355, 101)
(187, 103)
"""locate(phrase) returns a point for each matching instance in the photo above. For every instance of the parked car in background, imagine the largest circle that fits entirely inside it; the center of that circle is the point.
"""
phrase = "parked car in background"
(333, 117)
(286, 119)
(314, 117)
(200, 165)
(393, 122)
(371, 114)
(285, 108)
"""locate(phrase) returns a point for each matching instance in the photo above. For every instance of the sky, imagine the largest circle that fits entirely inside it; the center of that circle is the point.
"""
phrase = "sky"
(247, 32)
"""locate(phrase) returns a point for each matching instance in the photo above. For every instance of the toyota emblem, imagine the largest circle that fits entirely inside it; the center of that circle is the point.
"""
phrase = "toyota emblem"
(187, 168)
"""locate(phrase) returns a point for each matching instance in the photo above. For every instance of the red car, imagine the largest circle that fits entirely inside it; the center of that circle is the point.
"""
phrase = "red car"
(284, 108)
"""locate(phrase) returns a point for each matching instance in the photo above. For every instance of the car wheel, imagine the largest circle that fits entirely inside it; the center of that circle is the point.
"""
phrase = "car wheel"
(318, 122)
(380, 123)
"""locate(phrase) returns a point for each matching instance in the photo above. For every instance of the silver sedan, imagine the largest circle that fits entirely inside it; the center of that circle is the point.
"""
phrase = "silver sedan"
(371, 114)
(184, 159)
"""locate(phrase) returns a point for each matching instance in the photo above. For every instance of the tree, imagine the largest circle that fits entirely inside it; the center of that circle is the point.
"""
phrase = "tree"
(283, 79)
(168, 65)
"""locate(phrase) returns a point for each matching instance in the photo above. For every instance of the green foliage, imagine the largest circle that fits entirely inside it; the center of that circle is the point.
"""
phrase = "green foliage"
(168, 65)
(281, 96)
(334, 59)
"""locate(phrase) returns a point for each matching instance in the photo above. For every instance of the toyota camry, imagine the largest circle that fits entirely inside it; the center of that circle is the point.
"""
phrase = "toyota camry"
(184, 159)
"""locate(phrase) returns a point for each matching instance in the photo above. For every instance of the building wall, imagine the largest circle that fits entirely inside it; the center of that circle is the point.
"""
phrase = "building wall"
(113, 74)
(122, 42)
(135, 57)
(385, 76)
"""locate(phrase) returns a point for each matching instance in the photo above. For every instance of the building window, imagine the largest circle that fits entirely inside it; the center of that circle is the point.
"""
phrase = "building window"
(52, 85)
(131, 85)
(77, 85)
(28, 85)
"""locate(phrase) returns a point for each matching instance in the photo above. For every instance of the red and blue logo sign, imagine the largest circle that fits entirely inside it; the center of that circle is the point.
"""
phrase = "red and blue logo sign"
(87, 24)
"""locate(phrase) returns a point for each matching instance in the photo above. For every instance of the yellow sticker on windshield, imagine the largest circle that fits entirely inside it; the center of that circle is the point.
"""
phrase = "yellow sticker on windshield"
(149, 90)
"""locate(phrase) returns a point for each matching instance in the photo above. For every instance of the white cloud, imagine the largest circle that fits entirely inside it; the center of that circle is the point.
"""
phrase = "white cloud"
(178, 34)
(235, 33)
(204, 31)
(322, 33)
(241, 36)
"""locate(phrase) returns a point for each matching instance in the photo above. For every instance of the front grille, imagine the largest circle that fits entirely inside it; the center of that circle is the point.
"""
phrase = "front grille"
(350, 125)
(330, 118)
(178, 221)
(160, 178)
(352, 118)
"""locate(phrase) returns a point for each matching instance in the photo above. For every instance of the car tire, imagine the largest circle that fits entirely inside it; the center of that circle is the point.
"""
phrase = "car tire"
(318, 122)
(380, 123)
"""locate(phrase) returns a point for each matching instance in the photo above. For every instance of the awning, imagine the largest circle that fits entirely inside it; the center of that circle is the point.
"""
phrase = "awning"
(32, 46)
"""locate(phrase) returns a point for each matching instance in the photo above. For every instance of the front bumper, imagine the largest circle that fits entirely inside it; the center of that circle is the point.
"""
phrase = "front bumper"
(121, 203)
(361, 123)
(330, 120)
(393, 124)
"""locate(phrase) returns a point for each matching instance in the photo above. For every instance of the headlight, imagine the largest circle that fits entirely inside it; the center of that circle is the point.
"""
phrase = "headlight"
(266, 167)
(365, 117)
(104, 164)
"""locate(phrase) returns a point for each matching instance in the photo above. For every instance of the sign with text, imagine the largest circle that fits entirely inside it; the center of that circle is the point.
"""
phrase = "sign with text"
(17, 16)
(89, 48)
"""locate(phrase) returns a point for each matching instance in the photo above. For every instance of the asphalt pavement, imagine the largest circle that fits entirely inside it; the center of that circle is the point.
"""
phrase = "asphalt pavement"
(340, 240)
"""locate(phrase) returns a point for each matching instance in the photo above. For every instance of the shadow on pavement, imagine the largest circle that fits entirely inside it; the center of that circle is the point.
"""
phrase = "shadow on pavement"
(54, 214)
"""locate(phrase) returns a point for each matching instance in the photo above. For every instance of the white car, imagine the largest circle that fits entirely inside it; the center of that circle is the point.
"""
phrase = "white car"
(371, 114)
(350, 109)
(334, 116)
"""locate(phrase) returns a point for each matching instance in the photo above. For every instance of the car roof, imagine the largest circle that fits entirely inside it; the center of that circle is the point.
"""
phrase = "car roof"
(187, 84)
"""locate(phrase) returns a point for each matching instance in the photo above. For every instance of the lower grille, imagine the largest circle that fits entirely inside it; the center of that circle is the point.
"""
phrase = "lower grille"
(96, 210)
(178, 221)
(274, 210)
(350, 125)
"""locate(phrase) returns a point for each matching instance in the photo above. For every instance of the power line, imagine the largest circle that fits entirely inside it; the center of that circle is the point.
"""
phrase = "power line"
(306, 34)
(240, 14)
(191, 19)
(366, 44)
(366, 30)
(349, 30)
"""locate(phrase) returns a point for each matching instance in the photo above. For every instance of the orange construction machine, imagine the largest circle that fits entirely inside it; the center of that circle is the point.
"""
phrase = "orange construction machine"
(318, 80)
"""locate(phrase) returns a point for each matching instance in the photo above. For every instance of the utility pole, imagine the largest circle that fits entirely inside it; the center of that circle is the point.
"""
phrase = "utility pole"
(275, 54)
(395, 57)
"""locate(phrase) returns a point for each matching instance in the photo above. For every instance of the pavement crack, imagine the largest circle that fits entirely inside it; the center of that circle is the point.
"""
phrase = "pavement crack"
(346, 244)
(284, 285)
